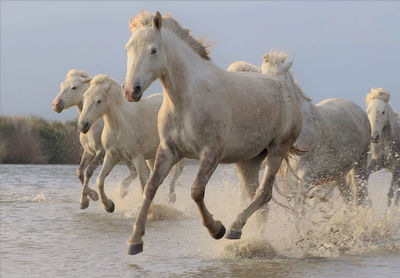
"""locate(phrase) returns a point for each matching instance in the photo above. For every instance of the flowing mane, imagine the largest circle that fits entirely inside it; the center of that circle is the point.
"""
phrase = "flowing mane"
(74, 72)
(145, 18)
(377, 93)
(243, 66)
(272, 60)
(99, 79)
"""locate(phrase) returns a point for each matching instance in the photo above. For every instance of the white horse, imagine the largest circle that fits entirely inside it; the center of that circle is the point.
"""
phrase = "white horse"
(335, 136)
(129, 134)
(385, 137)
(208, 114)
(71, 94)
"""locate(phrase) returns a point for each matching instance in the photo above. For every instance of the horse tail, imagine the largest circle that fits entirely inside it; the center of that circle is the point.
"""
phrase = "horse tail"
(243, 66)
(293, 151)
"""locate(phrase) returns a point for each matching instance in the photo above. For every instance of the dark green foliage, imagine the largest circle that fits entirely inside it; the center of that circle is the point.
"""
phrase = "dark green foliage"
(35, 140)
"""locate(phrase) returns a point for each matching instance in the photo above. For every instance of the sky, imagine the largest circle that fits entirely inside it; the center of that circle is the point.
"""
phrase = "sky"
(340, 49)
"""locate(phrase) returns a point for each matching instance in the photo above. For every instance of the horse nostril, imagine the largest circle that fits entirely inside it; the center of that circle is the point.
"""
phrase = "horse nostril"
(123, 85)
(137, 89)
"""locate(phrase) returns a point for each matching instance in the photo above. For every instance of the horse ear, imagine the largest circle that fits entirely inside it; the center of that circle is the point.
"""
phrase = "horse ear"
(287, 65)
(157, 21)
(85, 79)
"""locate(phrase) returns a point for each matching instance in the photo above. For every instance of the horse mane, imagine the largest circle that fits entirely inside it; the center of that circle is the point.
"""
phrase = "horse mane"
(275, 58)
(377, 93)
(74, 72)
(145, 18)
(243, 66)
(99, 79)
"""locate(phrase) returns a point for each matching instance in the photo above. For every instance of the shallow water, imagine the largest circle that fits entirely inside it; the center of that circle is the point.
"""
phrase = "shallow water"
(45, 234)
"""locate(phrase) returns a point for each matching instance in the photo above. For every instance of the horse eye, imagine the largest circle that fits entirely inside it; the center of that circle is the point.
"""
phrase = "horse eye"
(73, 87)
(383, 112)
(99, 101)
(153, 51)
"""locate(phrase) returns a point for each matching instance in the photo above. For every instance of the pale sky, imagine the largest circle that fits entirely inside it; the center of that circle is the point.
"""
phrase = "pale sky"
(339, 49)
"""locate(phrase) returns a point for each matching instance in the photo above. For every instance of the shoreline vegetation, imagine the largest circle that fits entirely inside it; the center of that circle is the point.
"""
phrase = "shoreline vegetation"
(34, 140)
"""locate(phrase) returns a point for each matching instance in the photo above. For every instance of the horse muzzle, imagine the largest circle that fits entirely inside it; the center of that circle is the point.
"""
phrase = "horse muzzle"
(58, 106)
(133, 95)
(83, 127)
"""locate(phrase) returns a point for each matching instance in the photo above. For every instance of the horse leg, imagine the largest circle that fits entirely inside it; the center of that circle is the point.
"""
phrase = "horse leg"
(177, 171)
(345, 188)
(150, 164)
(165, 159)
(86, 190)
(85, 160)
(248, 172)
(361, 175)
(209, 160)
(263, 195)
(123, 189)
(394, 191)
(375, 165)
(108, 165)
(142, 169)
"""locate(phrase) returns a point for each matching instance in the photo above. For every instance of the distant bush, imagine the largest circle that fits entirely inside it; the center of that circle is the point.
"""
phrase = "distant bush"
(38, 141)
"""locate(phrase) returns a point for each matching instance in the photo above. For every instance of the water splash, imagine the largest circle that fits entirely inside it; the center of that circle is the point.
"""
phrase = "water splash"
(39, 198)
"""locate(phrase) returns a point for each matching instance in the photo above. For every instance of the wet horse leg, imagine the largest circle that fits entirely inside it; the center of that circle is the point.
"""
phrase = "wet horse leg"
(209, 160)
(394, 191)
(85, 160)
(360, 179)
(345, 188)
(263, 195)
(86, 190)
(176, 172)
(150, 164)
(165, 159)
(108, 165)
(142, 170)
(123, 189)
(248, 174)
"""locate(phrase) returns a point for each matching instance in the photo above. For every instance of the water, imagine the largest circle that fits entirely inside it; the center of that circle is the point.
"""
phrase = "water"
(45, 234)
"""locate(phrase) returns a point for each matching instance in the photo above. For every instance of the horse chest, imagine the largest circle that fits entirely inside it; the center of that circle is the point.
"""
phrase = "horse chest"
(189, 132)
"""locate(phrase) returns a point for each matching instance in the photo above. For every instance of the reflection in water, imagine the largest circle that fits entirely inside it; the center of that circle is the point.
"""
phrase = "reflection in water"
(45, 234)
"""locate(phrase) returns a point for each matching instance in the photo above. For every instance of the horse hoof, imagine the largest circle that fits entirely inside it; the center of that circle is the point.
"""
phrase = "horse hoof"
(93, 195)
(232, 234)
(85, 205)
(134, 249)
(221, 232)
(111, 208)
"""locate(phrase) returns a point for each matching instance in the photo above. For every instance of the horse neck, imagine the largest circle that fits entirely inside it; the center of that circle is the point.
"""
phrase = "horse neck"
(308, 109)
(118, 109)
(391, 129)
(182, 68)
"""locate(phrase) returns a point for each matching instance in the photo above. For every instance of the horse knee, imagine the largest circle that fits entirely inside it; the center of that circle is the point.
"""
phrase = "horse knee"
(197, 194)
(263, 198)
(149, 192)
(79, 174)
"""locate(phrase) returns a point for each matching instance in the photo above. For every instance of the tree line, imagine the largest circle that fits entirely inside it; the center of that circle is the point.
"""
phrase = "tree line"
(35, 140)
